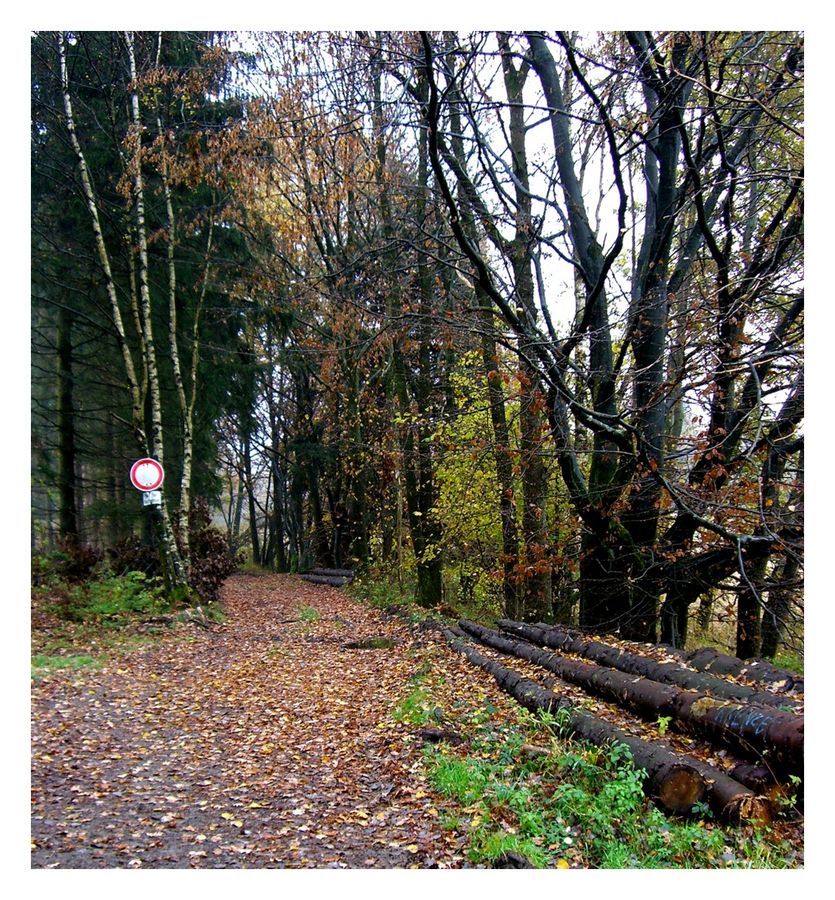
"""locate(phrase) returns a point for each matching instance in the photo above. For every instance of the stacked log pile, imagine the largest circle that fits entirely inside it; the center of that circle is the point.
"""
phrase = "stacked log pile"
(330, 577)
(558, 638)
(724, 713)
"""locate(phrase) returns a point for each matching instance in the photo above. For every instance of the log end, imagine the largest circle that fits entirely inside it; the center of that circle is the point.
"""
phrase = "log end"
(678, 788)
(749, 809)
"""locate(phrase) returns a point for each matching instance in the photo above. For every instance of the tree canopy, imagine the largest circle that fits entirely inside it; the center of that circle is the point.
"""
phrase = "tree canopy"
(515, 317)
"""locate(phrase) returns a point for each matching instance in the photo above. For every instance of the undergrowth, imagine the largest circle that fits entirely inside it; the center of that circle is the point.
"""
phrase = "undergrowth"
(112, 600)
(572, 805)
(308, 614)
(77, 624)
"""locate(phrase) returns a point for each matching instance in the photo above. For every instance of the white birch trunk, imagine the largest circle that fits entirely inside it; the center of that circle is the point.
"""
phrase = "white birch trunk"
(175, 574)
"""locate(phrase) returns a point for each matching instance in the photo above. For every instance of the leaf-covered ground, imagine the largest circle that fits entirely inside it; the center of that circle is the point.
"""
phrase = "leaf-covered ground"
(261, 743)
(268, 741)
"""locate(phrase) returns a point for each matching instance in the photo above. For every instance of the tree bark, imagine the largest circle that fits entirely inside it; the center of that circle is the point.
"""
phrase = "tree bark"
(67, 510)
(776, 613)
(536, 584)
(250, 495)
(174, 571)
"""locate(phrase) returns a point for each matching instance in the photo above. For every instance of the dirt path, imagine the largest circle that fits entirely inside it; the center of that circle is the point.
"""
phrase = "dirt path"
(264, 743)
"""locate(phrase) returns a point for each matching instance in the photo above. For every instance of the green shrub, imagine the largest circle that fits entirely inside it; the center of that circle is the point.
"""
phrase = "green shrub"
(111, 598)
(133, 592)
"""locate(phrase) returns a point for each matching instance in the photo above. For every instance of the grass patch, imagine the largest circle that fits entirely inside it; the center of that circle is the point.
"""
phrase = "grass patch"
(577, 806)
(43, 665)
(788, 660)
(415, 709)
(308, 614)
(214, 612)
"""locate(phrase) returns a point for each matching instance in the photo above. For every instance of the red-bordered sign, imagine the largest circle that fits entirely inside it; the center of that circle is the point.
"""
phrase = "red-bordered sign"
(146, 475)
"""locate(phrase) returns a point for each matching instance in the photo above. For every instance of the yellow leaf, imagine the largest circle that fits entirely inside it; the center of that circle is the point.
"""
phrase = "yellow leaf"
(412, 848)
(228, 815)
(563, 864)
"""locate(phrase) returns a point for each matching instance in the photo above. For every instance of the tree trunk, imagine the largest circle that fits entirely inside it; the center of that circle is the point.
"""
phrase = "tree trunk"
(675, 612)
(250, 494)
(777, 611)
(416, 451)
(174, 571)
(536, 586)
(67, 511)
(278, 513)
(748, 609)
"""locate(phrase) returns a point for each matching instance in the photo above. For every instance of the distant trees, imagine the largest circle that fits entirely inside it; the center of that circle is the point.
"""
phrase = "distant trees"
(589, 246)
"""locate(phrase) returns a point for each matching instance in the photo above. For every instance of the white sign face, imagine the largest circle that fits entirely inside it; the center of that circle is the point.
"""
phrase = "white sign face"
(146, 475)
(152, 498)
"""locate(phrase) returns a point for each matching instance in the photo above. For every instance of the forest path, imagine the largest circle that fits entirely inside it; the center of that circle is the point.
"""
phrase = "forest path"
(264, 743)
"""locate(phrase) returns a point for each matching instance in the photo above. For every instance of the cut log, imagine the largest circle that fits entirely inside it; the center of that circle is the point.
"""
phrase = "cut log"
(558, 638)
(761, 779)
(706, 659)
(676, 781)
(439, 735)
(339, 573)
(676, 785)
(749, 730)
(512, 860)
(330, 580)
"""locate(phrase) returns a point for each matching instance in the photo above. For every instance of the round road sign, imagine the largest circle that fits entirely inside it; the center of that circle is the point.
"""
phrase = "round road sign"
(146, 475)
